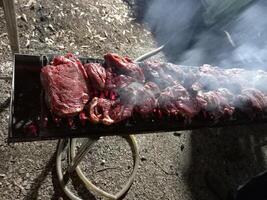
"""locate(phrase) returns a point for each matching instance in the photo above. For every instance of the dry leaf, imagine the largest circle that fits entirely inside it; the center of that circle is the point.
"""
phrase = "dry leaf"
(27, 43)
(100, 38)
(4, 44)
(50, 26)
(61, 47)
(3, 35)
(23, 17)
(49, 41)
(106, 34)
(30, 3)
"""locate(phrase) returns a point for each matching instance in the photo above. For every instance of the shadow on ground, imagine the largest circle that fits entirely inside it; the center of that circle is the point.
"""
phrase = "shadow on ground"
(222, 159)
(50, 167)
(33, 191)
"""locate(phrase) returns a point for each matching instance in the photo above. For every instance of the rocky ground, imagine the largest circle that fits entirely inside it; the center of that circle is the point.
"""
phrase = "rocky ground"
(173, 165)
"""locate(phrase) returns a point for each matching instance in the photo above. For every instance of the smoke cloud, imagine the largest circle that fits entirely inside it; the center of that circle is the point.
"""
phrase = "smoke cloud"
(229, 35)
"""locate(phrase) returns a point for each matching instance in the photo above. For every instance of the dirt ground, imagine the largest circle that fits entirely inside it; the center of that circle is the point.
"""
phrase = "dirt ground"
(173, 165)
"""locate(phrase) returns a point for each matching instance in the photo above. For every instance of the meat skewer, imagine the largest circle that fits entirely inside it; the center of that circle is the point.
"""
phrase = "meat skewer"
(120, 89)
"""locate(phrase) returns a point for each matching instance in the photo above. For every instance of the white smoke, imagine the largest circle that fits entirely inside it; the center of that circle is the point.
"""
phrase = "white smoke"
(239, 42)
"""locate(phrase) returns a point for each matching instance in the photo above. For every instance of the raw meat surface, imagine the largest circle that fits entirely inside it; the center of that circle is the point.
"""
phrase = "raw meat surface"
(65, 86)
(96, 74)
(124, 65)
(120, 89)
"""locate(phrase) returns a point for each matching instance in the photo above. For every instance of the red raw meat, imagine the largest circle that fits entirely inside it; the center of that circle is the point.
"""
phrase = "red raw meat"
(217, 102)
(99, 109)
(96, 74)
(120, 112)
(154, 72)
(65, 86)
(251, 100)
(120, 89)
(175, 101)
(67, 59)
(124, 65)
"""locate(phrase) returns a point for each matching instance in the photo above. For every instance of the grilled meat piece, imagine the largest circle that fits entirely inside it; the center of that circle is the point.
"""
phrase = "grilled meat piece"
(217, 102)
(176, 101)
(124, 65)
(206, 82)
(153, 87)
(116, 81)
(175, 71)
(260, 81)
(67, 59)
(99, 111)
(154, 72)
(142, 97)
(251, 100)
(120, 89)
(110, 83)
(96, 74)
(121, 81)
(66, 92)
(210, 78)
(108, 112)
(120, 112)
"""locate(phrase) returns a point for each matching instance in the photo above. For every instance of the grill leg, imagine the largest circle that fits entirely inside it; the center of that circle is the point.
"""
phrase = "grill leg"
(10, 15)
(81, 153)
(75, 159)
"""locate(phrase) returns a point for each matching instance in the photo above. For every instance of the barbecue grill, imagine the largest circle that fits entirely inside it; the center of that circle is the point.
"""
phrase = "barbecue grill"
(29, 114)
(28, 107)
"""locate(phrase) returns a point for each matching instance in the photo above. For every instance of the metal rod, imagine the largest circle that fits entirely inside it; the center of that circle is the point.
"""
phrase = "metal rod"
(11, 22)
(81, 153)
(68, 151)
(150, 54)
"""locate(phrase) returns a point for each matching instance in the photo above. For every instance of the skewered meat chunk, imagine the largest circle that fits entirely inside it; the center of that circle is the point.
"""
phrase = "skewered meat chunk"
(153, 87)
(154, 72)
(69, 58)
(117, 81)
(251, 100)
(217, 102)
(175, 71)
(175, 100)
(141, 96)
(124, 65)
(120, 89)
(206, 82)
(99, 109)
(121, 112)
(65, 86)
(108, 112)
(96, 74)
(260, 81)
(121, 81)
(211, 78)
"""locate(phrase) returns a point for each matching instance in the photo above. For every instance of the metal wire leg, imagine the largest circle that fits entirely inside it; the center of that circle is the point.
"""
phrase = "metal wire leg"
(73, 163)
(91, 187)
(81, 153)
(60, 149)
(75, 159)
